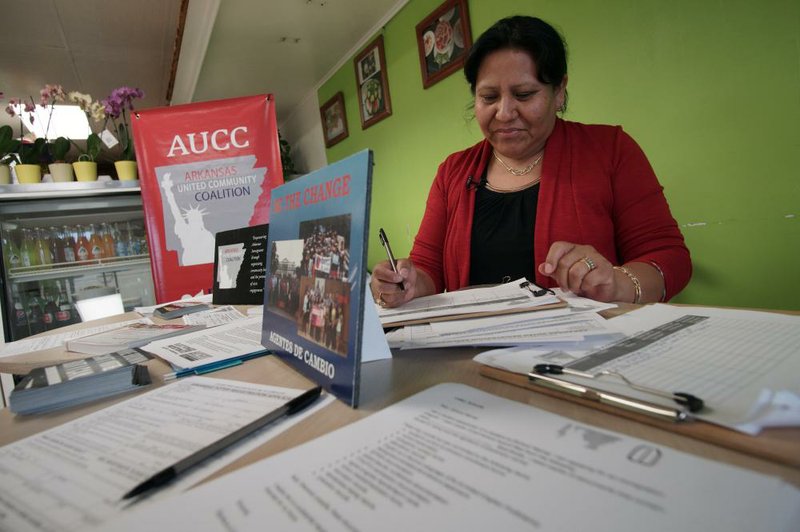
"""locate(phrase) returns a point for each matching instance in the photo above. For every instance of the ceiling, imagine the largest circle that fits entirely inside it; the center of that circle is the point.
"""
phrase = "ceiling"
(230, 47)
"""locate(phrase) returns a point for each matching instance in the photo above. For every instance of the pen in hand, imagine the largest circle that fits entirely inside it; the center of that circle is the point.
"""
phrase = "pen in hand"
(388, 248)
(166, 475)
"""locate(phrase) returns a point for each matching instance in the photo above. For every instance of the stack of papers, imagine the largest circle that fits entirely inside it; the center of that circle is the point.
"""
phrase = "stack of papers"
(575, 323)
(72, 383)
(127, 337)
(515, 296)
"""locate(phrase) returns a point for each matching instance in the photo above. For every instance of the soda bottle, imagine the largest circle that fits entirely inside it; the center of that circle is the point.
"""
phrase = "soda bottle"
(20, 315)
(134, 244)
(43, 248)
(49, 308)
(97, 247)
(120, 241)
(68, 246)
(66, 313)
(10, 252)
(27, 249)
(108, 241)
(82, 245)
(35, 315)
(57, 246)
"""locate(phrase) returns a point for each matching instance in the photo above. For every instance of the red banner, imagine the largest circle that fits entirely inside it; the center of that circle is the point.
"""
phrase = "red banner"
(203, 168)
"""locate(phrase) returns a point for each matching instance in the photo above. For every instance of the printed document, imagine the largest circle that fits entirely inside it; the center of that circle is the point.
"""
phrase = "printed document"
(456, 458)
(72, 477)
(49, 341)
(224, 342)
(516, 296)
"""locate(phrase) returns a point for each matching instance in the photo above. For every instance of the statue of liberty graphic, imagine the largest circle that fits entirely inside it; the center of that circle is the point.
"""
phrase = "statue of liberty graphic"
(197, 242)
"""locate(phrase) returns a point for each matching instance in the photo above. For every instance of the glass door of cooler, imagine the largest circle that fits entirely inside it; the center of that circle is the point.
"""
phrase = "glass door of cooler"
(57, 251)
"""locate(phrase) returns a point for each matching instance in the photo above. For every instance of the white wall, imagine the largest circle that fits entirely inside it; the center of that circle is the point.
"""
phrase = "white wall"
(303, 131)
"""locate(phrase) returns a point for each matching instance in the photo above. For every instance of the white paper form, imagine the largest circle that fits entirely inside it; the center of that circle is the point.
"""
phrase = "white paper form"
(503, 297)
(741, 363)
(214, 317)
(72, 477)
(456, 458)
(56, 340)
(224, 342)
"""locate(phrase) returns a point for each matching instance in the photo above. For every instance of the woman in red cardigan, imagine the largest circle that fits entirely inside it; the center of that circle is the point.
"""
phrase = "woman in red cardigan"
(567, 204)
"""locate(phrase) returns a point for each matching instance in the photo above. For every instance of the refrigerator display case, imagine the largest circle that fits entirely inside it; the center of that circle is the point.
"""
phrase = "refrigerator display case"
(65, 242)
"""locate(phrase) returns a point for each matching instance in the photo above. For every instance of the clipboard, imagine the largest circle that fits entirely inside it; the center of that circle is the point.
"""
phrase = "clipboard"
(781, 445)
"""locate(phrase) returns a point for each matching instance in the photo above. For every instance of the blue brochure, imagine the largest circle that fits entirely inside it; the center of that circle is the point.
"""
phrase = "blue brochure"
(315, 287)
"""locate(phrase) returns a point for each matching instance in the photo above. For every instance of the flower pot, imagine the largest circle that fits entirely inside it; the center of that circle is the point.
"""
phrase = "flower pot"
(61, 172)
(126, 170)
(85, 170)
(28, 173)
(5, 174)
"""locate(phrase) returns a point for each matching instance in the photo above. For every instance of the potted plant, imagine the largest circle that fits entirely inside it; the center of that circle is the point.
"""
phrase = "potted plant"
(59, 168)
(31, 154)
(9, 146)
(117, 107)
(29, 169)
(85, 166)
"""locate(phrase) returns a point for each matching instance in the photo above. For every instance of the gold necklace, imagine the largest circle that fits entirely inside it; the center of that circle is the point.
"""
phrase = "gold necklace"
(515, 189)
(514, 171)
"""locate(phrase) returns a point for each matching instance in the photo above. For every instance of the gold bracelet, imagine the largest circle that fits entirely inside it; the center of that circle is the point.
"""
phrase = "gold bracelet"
(663, 281)
(637, 286)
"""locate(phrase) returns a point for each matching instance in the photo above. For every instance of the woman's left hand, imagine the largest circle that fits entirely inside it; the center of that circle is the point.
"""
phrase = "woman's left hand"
(581, 269)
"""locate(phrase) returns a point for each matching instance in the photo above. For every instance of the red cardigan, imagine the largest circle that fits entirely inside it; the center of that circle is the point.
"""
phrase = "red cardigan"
(597, 188)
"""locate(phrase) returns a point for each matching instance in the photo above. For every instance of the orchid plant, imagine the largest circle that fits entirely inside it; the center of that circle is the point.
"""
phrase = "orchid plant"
(95, 112)
(33, 153)
(9, 146)
(117, 109)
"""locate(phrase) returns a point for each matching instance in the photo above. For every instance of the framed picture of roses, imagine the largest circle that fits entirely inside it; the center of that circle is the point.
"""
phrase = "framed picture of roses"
(443, 41)
(334, 120)
(374, 101)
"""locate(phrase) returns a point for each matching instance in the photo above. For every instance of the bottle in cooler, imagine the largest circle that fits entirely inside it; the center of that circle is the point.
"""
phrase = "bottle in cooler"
(27, 249)
(97, 247)
(68, 244)
(120, 241)
(57, 246)
(82, 247)
(108, 240)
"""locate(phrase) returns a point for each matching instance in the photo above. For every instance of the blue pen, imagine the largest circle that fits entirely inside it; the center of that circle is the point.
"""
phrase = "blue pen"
(213, 366)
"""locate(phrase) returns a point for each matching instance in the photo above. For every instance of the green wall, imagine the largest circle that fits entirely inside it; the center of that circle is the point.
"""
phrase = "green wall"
(711, 90)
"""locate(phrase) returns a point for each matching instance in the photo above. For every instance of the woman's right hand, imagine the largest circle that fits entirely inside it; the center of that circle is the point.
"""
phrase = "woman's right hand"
(385, 283)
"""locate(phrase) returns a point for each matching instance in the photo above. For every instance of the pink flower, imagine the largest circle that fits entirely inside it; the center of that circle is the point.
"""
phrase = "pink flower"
(51, 94)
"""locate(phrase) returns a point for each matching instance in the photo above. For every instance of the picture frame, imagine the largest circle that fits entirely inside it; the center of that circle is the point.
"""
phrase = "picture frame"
(443, 40)
(374, 100)
(334, 120)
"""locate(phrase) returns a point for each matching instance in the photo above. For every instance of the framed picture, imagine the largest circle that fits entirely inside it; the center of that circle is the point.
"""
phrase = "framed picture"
(443, 40)
(374, 102)
(334, 120)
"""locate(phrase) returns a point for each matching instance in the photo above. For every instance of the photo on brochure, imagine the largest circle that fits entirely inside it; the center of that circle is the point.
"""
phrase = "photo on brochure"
(309, 283)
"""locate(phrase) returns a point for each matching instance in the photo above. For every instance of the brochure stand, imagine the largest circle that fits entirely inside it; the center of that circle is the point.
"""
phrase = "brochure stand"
(318, 314)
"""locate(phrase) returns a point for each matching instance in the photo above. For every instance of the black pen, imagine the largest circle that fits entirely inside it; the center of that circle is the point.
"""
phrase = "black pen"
(162, 477)
(388, 248)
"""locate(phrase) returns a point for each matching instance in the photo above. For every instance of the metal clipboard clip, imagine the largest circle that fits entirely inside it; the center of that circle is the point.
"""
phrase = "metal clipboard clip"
(543, 374)
(533, 289)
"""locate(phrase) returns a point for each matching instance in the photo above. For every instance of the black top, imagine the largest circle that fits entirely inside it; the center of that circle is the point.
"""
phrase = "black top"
(502, 236)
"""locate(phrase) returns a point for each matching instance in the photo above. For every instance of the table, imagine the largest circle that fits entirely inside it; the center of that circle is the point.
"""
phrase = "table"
(385, 382)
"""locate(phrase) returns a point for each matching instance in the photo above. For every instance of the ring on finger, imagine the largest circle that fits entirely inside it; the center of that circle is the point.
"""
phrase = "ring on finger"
(381, 301)
(589, 263)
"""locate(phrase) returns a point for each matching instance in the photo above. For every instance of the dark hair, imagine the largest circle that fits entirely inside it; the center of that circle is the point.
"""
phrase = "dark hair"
(530, 34)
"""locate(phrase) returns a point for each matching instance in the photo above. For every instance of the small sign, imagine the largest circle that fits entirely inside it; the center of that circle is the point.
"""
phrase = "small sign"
(108, 139)
(239, 265)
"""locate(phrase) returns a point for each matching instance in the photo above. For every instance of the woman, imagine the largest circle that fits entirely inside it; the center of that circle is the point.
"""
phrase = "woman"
(582, 200)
